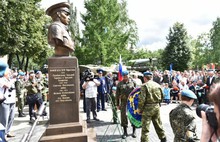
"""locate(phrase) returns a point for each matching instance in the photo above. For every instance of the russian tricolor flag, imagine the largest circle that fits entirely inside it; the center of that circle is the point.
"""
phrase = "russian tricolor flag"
(120, 70)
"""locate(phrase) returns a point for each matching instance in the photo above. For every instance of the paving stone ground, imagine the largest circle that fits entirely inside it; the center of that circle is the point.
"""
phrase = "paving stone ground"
(100, 131)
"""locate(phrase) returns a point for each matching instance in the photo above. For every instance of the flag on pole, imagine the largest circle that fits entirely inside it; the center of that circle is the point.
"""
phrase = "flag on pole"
(120, 70)
(213, 66)
(171, 68)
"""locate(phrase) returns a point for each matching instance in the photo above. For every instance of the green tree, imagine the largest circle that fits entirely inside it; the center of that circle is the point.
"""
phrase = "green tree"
(74, 29)
(23, 34)
(215, 42)
(176, 52)
(201, 54)
(108, 32)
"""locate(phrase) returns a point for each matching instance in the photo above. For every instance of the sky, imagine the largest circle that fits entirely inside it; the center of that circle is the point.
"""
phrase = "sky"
(155, 17)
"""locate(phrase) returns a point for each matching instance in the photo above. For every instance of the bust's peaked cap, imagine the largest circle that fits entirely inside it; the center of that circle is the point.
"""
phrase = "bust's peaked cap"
(63, 6)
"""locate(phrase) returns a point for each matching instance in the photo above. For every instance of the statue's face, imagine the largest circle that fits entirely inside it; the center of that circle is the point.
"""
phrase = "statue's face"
(64, 17)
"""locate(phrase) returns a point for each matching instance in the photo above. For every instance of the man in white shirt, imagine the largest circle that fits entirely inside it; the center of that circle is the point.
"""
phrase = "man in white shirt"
(90, 85)
(7, 91)
(183, 85)
(137, 80)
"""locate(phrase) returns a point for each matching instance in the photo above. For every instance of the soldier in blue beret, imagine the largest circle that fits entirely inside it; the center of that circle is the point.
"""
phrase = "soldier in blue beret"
(183, 117)
(147, 73)
(20, 93)
(149, 105)
(125, 73)
(124, 88)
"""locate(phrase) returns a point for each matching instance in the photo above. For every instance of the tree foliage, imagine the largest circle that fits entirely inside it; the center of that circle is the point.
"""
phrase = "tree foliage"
(215, 42)
(207, 47)
(108, 32)
(201, 48)
(176, 52)
(74, 28)
(23, 32)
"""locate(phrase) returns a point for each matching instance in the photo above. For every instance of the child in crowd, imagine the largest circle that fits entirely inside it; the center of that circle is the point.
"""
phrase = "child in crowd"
(175, 92)
(166, 93)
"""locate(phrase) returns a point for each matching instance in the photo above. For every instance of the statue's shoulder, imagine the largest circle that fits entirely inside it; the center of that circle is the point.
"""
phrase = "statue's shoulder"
(57, 25)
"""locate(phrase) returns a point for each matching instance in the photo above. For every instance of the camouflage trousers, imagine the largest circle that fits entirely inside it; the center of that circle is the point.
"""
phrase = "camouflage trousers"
(20, 104)
(124, 118)
(114, 108)
(151, 113)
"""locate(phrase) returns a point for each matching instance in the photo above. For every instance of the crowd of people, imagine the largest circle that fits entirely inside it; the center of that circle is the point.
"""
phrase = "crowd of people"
(157, 87)
(186, 88)
(18, 88)
(197, 81)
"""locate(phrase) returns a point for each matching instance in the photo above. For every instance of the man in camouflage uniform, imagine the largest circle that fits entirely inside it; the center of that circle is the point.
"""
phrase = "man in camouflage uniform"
(149, 105)
(20, 93)
(41, 88)
(46, 89)
(182, 119)
(40, 85)
(33, 98)
(42, 80)
(124, 88)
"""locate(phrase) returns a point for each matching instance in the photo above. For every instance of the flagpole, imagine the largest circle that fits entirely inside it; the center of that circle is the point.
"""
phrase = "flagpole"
(120, 69)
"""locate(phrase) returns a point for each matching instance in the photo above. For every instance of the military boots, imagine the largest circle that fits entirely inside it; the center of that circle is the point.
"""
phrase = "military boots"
(125, 133)
(163, 140)
(134, 132)
(21, 114)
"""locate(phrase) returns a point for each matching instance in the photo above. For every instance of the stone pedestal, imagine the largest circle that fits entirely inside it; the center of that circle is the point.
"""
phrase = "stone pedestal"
(64, 93)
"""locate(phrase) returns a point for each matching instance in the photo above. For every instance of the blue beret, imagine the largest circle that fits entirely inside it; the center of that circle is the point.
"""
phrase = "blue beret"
(38, 72)
(114, 88)
(21, 73)
(189, 94)
(3, 67)
(100, 71)
(125, 73)
(147, 73)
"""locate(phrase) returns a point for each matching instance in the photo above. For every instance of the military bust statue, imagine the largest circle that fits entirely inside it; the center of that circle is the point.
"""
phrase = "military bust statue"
(58, 35)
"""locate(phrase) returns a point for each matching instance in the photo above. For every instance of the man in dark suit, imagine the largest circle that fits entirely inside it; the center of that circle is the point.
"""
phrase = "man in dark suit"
(102, 90)
(210, 80)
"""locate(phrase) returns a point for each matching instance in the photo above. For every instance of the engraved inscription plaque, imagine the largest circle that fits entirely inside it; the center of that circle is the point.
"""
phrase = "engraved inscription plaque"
(63, 86)
(63, 90)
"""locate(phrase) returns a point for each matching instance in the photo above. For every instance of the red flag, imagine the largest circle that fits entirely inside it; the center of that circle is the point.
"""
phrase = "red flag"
(213, 66)
(120, 70)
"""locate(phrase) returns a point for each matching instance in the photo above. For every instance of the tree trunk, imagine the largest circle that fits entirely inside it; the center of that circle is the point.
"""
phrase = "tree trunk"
(26, 65)
(19, 62)
(10, 58)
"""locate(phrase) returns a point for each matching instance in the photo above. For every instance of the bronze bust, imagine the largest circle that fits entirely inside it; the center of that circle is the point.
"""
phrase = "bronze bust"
(58, 35)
